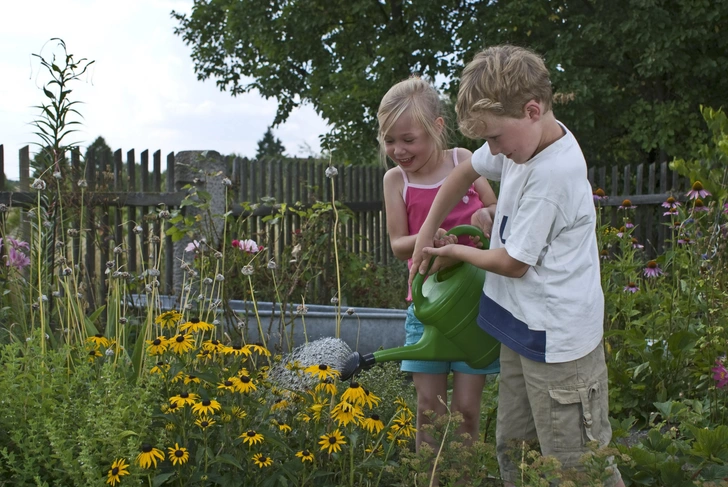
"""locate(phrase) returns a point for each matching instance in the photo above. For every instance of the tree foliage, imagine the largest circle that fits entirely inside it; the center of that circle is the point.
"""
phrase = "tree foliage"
(270, 146)
(630, 74)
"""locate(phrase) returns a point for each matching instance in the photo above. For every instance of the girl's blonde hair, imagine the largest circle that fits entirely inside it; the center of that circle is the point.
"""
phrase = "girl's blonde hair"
(500, 80)
(423, 101)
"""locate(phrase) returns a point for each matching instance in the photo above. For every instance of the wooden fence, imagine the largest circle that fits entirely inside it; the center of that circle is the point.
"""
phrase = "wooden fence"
(118, 200)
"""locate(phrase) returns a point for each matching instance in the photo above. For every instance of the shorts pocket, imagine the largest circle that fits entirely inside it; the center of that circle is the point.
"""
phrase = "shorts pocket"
(578, 416)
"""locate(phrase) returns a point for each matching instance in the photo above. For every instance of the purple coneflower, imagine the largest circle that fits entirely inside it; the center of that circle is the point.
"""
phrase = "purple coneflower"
(636, 244)
(671, 212)
(725, 208)
(720, 374)
(698, 205)
(697, 191)
(622, 230)
(684, 240)
(671, 203)
(599, 195)
(626, 205)
(652, 269)
(628, 224)
(631, 288)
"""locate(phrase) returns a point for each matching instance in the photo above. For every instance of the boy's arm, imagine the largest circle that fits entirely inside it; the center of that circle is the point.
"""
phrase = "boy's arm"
(453, 189)
(497, 261)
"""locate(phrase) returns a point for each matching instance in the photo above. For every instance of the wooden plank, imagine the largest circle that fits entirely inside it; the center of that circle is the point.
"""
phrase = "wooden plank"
(24, 185)
(131, 251)
(105, 233)
(89, 232)
(118, 187)
(169, 245)
(603, 178)
(648, 212)
(157, 188)
(288, 226)
(144, 236)
(2, 169)
(76, 190)
(279, 186)
(627, 180)
(590, 177)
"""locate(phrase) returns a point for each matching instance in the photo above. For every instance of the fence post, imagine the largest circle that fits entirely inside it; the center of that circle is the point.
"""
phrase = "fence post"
(204, 170)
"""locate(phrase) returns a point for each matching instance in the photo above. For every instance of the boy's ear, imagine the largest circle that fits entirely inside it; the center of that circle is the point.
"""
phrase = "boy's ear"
(533, 110)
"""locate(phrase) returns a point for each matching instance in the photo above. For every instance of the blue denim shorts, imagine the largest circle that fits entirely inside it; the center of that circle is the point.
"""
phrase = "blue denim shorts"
(413, 332)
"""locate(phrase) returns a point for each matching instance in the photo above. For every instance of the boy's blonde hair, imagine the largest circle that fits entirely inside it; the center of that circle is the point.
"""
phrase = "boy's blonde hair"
(500, 80)
(423, 101)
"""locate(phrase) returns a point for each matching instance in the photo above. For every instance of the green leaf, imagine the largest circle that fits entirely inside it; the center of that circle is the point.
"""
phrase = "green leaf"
(228, 459)
(161, 478)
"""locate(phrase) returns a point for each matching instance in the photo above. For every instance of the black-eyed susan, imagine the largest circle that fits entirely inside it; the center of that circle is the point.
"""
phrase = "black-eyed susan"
(182, 343)
(328, 386)
(185, 398)
(303, 417)
(259, 349)
(236, 350)
(403, 426)
(93, 355)
(238, 412)
(179, 376)
(157, 346)
(228, 384)
(293, 366)
(244, 384)
(204, 355)
(148, 456)
(214, 346)
(322, 371)
(172, 408)
(160, 368)
(252, 437)
(262, 461)
(170, 426)
(344, 413)
(305, 456)
(355, 394)
(203, 422)
(99, 341)
(401, 403)
(195, 325)
(316, 409)
(373, 424)
(118, 469)
(370, 399)
(178, 455)
(279, 404)
(332, 441)
(205, 407)
(190, 379)
(281, 425)
(168, 319)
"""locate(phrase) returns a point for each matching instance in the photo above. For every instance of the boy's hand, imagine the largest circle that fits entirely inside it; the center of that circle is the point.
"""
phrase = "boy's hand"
(483, 220)
(443, 258)
(441, 239)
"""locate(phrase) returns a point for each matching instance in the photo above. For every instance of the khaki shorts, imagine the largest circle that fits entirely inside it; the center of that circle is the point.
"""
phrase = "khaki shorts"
(564, 406)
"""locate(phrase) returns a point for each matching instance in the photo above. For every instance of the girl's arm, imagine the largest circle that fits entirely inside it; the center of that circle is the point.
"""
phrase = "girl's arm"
(400, 240)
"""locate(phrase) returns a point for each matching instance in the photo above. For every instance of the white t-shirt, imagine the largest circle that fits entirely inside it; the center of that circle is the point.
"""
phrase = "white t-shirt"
(545, 217)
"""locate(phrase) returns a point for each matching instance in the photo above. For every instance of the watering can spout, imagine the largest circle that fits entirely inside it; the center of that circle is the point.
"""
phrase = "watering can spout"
(447, 304)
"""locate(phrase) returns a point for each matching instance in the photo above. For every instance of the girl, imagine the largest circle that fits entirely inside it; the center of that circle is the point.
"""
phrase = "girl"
(413, 135)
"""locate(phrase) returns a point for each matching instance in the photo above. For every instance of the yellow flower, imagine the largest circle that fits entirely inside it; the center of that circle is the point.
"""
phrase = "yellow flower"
(305, 456)
(149, 456)
(214, 346)
(178, 455)
(251, 437)
(181, 343)
(327, 386)
(244, 384)
(303, 417)
(118, 469)
(168, 319)
(172, 408)
(99, 340)
(262, 461)
(370, 399)
(355, 394)
(281, 426)
(322, 371)
(332, 441)
(205, 355)
(208, 406)
(402, 426)
(373, 424)
(344, 413)
(160, 368)
(195, 325)
(238, 412)
(257, 349)
(279, 403)
(191, 378)
(157, 346)
(204, 422)
(180, 376)
(316, 409)
(93, 355)
(185, 398)
(236, 350)
(294, 366)
(228, 384)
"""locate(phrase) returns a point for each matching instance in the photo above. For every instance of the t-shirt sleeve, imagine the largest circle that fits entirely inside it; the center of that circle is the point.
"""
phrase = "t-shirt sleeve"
(486, 164)
(538, 222)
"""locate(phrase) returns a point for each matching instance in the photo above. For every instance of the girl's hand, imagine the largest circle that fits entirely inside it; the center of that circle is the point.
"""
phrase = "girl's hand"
(441, 239)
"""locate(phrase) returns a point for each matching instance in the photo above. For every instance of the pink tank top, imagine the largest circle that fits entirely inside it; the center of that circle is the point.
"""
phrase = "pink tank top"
(418, 199)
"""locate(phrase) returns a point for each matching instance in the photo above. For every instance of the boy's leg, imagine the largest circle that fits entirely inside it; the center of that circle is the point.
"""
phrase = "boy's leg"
(515, 422)
(570, 407)
(467, 392)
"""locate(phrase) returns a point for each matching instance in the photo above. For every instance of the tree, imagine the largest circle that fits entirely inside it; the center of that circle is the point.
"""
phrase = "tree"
(270, 146)
(629, 74)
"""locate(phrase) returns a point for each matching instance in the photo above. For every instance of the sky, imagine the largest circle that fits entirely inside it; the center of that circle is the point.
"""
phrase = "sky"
(140, 93)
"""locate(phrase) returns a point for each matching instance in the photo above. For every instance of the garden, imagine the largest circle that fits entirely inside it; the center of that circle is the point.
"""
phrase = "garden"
(120, 394)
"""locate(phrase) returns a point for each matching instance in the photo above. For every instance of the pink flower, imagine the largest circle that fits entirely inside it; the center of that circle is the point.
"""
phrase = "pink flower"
(697, 191)
(628, 224)
(652, 269)
(15, 258)
(631, 287)
(193, 246)
(248, 245)
(626, 205)
(671, 212)
(599, 195)
(671, 203)
(698, 205)
(720, 374)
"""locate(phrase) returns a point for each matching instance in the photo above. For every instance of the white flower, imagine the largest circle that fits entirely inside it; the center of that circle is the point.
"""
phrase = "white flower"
(247, 270)
(331, 171)
(219, 278)
(334, 300)
(38, 184)
(272, 264)
(227, 182)
(82, 183)
(57, 175)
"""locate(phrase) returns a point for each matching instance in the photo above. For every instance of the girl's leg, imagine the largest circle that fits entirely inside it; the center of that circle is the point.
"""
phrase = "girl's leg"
(466, 397)
(428, 387)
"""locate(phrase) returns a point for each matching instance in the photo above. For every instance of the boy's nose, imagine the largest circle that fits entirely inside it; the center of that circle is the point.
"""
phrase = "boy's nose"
(493, 148)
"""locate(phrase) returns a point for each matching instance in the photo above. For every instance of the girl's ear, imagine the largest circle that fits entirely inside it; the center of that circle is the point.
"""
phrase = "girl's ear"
(533, 110)
(440, 124)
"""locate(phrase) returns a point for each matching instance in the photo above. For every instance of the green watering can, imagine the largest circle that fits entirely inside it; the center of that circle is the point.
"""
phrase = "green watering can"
(447, 305)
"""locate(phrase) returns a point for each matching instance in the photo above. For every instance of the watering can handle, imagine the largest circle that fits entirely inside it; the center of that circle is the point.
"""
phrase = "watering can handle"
(457, 231)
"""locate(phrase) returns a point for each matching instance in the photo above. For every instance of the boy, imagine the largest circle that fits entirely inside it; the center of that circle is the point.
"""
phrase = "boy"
(542, 296)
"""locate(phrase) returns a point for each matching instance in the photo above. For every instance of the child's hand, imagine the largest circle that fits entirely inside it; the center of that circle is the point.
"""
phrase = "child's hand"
(441, 239)
(483, 220)
(443, 259)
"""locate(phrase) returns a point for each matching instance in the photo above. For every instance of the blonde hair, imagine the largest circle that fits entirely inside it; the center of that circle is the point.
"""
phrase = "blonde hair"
(500, 80)
(423, 101)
